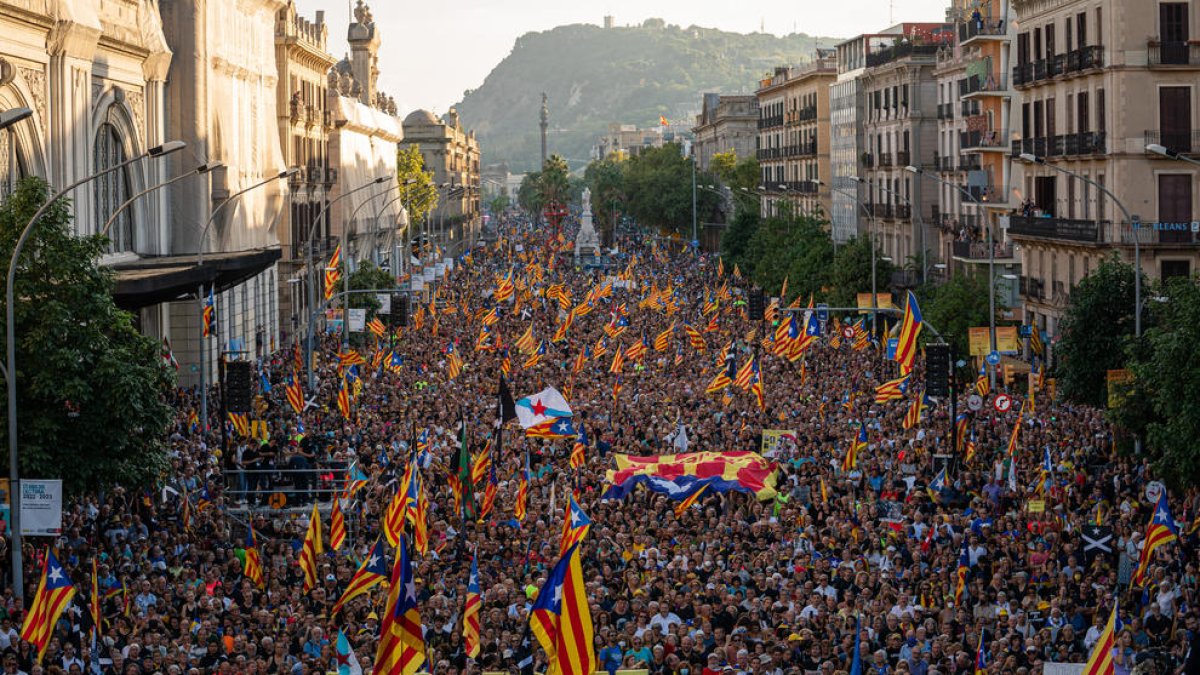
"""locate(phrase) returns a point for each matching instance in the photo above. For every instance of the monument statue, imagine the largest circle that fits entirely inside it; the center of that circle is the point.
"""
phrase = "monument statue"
(587, 242)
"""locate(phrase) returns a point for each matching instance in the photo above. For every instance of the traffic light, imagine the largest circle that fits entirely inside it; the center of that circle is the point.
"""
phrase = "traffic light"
(1008, 375)
(238, 393)
(937, 370)
(756, 304)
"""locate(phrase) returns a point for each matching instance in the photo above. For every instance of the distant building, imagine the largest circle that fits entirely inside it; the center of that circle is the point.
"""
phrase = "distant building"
(452, 154)
(627, 140)
(1097, 81)
(793, 136)
(726, 123)
(846, 144)
(901, 129)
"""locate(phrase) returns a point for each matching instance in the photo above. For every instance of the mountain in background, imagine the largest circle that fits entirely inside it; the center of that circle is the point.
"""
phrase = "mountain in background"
(631, 75)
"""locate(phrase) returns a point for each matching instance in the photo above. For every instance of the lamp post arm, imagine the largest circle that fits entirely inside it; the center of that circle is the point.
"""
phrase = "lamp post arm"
(220, 207)
(204, 168)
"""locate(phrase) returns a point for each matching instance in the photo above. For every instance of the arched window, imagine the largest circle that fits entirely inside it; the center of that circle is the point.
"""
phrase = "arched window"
(111, 190)
(12, 163)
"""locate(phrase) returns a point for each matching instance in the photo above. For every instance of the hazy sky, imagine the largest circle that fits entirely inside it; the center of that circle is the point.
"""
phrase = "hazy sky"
(432, 51)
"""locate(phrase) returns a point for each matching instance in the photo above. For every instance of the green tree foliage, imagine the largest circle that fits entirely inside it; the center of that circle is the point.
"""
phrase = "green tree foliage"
(736, 239)
(658, 188)
(798, 249)
(90, 388)
(607, 182)
(741, 176)
(1093, 332)
(498, 204)
(594, 76)
(367, 277)
(529, 196)
(554, 183)
(954, 306)
(420, 196)
(1166, 369)
(852, 273)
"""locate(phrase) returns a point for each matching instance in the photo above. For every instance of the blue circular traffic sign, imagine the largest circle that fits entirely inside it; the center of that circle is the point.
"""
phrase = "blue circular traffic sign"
(993, 358)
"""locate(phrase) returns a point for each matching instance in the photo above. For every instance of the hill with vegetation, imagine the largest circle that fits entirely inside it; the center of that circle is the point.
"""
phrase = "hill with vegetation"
(632, 75)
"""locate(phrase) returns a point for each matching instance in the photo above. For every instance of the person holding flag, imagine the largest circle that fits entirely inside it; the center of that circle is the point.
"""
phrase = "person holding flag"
(561, 619)
(53, 595)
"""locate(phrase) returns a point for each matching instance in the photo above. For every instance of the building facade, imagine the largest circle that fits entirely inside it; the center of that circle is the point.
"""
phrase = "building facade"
(846, 145)
(452, 153)
(794, 132)
(974, 111)
(900, 103)
(725, 123)
(302, 62)
(1098, 81)
(94, 75)
(628, 140)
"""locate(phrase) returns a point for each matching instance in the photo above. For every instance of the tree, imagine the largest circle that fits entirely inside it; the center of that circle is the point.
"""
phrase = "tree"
(658, 188)
(607, 182)
(420, 196)
(554, 183)
(852, 273)
(955, 306)
(496, 205)
(740, 176)
(1165, 366)
(529, 196)
(90, 389)
(797, 249)
(1093, 332)
(369, 277)
(736, 239)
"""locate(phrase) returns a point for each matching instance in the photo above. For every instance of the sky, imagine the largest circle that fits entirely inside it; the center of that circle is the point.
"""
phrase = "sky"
(431, 52)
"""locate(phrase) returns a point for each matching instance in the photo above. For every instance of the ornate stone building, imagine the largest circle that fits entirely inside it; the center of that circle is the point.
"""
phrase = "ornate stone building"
(362, 147)
(726, 123)
(452, 154)
(94, 75)
(302, 63)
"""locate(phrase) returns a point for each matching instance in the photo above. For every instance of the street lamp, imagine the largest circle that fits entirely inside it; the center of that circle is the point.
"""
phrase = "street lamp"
(10, 329)
(12, 116)
(1170, 154)
(991, 259)
(202, 169)
(287, 173)
(312, 300)
(870, 236)
(1137, 250)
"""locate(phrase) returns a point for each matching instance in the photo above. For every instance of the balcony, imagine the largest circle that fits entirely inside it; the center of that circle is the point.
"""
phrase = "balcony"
(769, 153)
(903, 158)
(1031, 288)
(971, 31)
(768, 122)
(993, 139)
(885, 159)
(1183, 142)
(1084, 231)
(1055, 65)
(868, 160)
(803, 187)
(978, 250)
(1163, 54)
(902, 211)
(945, 111)
(986, 194)
(943, 163)
(905, 278)
(969, 108)
(969, 163)
(975, 86)
(1083, 59)
(900, 51)
(807, 114)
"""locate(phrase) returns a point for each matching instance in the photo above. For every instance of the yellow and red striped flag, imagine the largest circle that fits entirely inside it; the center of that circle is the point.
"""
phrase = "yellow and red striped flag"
(313, 547)
(53, 595)
(370, 574)
(1101, 660)
(470, 629)
(337, 526)
(253, 569)
(401, 648)
(682, 507)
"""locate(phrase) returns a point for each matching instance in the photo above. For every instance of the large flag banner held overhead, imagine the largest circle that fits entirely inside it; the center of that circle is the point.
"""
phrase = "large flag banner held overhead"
(678, 476)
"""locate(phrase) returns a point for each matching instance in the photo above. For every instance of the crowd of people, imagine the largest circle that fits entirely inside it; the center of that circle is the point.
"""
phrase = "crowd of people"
(837, 559)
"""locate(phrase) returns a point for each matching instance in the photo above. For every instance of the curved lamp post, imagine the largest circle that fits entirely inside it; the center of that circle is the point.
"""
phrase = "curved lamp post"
(200, 292)
(11, 348)
(13, 115)
(202, 169)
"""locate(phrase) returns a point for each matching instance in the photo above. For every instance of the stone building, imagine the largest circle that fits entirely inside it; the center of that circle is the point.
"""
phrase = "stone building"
(362, 148)
(900, 110)
(793, 136)
(302, 63)
(846, 144)
(94, 76)
(725, 123)
(628, 140)
(452, 154)
(1098, 81)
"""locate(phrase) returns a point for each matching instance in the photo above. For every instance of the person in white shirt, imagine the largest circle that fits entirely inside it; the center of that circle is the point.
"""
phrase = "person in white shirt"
(664, 620)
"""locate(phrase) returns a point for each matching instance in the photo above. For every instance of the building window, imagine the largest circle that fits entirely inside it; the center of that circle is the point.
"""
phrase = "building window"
(112, 189)
(12, 163)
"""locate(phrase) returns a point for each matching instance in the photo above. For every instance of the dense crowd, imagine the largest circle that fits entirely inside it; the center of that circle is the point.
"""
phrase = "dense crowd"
(731, 585)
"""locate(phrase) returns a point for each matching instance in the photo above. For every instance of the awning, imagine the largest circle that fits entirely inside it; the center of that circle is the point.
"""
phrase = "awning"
(152, 280)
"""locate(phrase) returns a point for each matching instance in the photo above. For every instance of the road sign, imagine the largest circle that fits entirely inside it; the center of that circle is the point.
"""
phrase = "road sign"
(848, 332)
(892, 345)
(975, 402)
(823, 312)
(993, 358)
(1002, 403)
